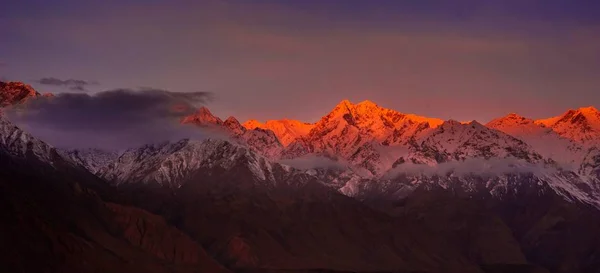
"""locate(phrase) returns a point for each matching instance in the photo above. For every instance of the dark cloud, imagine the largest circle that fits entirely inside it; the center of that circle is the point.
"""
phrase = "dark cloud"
(71, 84)
(115, 119)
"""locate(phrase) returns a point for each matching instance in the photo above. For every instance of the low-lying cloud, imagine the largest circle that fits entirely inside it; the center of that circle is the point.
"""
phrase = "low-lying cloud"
(115, 119)
(71, 84)
(313, 161)
(473, 166)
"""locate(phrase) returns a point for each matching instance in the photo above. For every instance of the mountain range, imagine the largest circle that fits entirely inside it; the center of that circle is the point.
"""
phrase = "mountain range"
(364, 189)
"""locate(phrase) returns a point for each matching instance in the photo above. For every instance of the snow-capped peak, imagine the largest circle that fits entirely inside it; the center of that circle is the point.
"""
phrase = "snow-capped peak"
(581, 125)
(262, 141)
(517, 126)
(15, 92)
(543, 140)
(170, 164)
(251, 124)
(203, 117)
(509, 120)
(454, 140)
(590, 110)
(369, 114)
(19, 143)
(286, 130)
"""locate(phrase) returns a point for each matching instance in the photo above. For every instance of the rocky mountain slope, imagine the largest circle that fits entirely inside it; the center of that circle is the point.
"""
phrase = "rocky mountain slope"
(55, 218)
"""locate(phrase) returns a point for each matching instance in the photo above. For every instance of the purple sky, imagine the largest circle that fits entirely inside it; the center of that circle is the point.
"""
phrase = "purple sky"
(462, 59)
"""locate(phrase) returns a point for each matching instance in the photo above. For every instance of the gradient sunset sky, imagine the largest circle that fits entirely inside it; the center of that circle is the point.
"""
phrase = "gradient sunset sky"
(460, 59)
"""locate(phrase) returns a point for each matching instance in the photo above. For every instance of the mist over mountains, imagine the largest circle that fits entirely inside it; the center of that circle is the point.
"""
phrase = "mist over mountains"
(154, 182)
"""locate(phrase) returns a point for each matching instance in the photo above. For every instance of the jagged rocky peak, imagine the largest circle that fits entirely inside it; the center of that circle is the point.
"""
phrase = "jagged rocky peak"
(451, 123)
(262, 141)
(286, 130)
(15, 93)
(476, 124)
(203, 117)
(509, 120)
(362, 110)
(519, 126)
(342, 108)
(234, 125)
(366, 107)
(251, 124)
(368, 115)
(454, 126)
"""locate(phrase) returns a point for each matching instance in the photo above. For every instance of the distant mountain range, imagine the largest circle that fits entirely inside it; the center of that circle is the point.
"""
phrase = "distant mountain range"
(364, 189)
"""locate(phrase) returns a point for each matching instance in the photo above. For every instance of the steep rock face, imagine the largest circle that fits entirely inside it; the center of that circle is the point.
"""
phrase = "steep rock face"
(286, 130)
(581, 125)
(15, 93)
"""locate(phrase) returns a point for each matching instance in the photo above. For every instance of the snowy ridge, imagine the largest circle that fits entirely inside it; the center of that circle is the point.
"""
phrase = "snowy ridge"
(581, 125)
(376, 144)
(380, 151)
(286, 130)
(262, 141)
(354, 131)
(457, 141)
(21, 144)
(94, 160)
(544, 140)
(169, 164)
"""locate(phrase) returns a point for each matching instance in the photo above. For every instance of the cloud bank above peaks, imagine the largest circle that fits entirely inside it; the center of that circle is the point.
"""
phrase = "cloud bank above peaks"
(114, 119)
